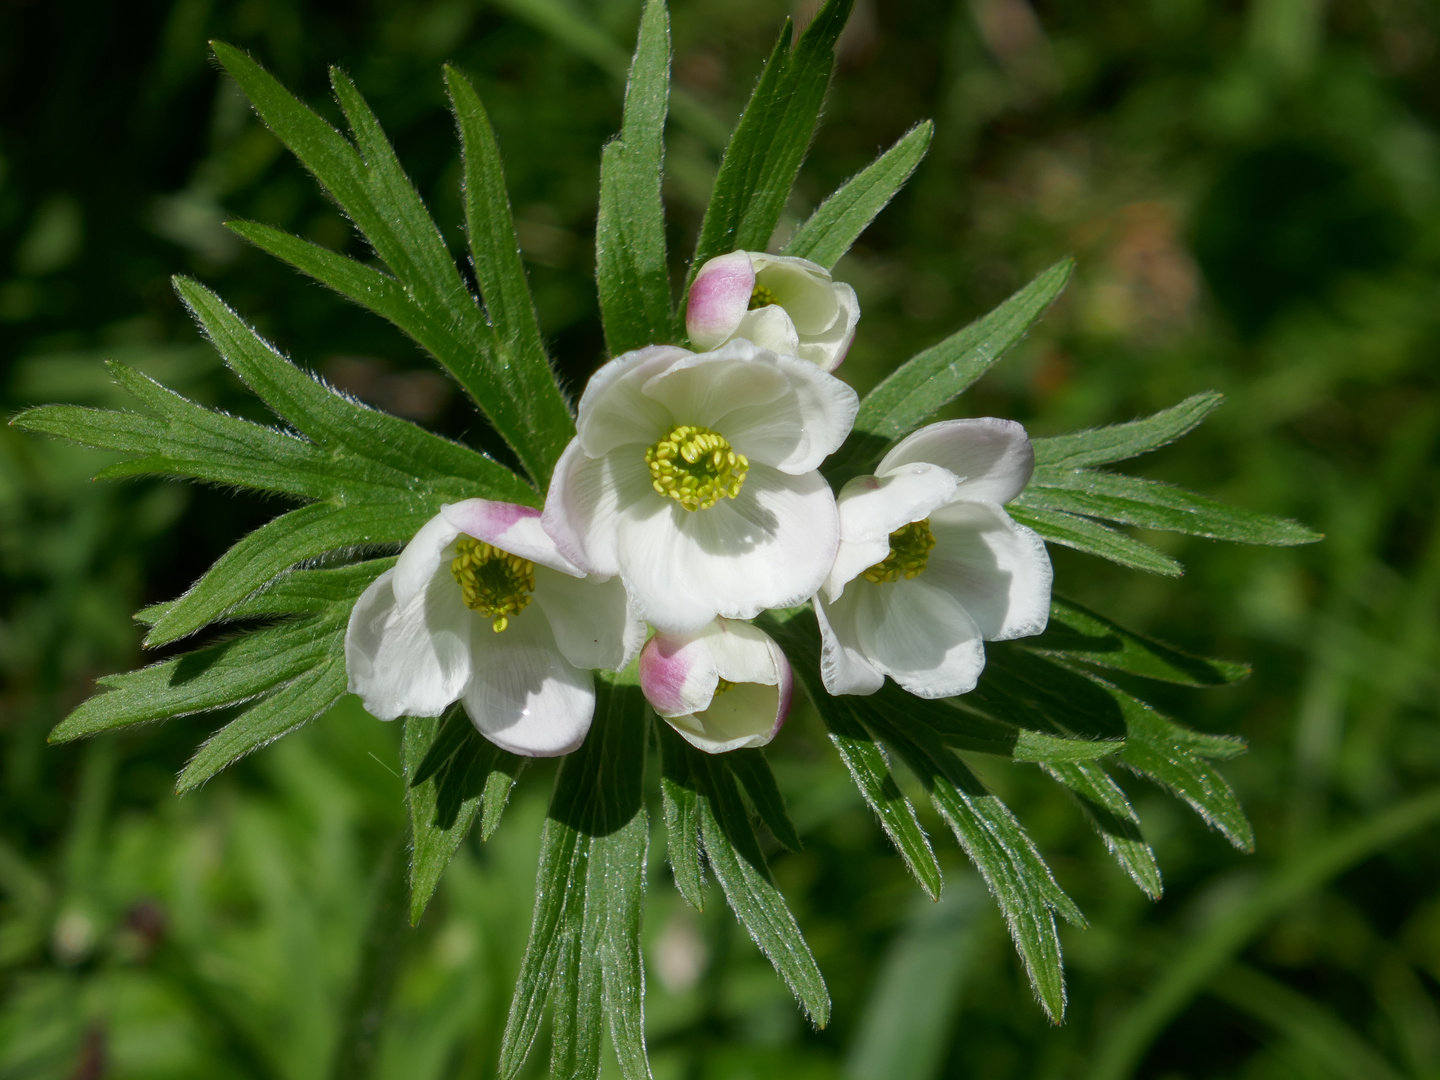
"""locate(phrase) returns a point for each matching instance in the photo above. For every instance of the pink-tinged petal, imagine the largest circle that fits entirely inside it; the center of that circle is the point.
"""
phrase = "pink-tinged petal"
(524, 696)
(872, 507)
(803, 288)
(423, 556)
(613, 411)
(770, 547)
(592, 619)
(843, 667)
(920, 636)
(719, 298)
(752, 709)
(798, 430)
(677, 674)
(583, 505)
(998, 570)
(993, 458)
(510, 527)
(770, 327)
(827, 350)
(408, 659)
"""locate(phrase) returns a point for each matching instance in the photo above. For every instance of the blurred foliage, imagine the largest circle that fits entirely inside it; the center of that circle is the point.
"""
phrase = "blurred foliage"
(1253, 193)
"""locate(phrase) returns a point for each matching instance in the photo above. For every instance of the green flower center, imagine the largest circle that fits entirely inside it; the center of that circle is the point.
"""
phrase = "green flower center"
(762, 297)
(696, 467)
(492, 582)
(909, 552)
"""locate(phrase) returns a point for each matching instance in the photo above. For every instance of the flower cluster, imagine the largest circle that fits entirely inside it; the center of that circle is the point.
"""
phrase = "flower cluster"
(690, 500)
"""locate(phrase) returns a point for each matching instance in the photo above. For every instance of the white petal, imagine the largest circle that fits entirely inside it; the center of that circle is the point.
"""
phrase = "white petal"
(998, 570)
(770, 547)
(423, 556)
(613, 411)
(702, 387)
(524, 696)
(410, 659)
(993, 458)
(746, 715)
(802, 288)
(719, 297)
(827, 350)
(770, 328)
(592, 619)
(872, 507)
(843, 667)
(920, 636)
(582, 507)
(800, 428)
(510, 527)
(678, 673)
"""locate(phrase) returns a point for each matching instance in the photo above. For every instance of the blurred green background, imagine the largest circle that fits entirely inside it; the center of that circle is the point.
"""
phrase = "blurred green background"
(1253, 192)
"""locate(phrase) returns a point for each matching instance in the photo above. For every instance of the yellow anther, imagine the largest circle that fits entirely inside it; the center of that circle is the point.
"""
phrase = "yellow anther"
(494, 583)
(762, 297)
(722, 685)
(909, 552)
(696, 467)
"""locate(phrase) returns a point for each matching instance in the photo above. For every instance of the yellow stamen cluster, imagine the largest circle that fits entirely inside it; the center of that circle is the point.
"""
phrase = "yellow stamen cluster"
(722, 685)
(762, 297)
(909, 552)
(696, 467)
(493, 583)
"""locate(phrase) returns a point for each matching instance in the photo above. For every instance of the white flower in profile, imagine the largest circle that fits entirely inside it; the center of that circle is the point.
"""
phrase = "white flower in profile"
(930, 566)
(725, 687)
(482, 608)
(787, 305)
(693, 477)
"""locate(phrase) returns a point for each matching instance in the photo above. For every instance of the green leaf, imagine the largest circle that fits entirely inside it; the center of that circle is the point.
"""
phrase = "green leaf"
(753, 772)
(1078, 633)
(835, 225)
(733, 851)
(1097, 446)
(862, 755)
(583, 956)
(682, 816)
(1082, 534)
(1113, 818)
(310, 694)
(494, 250)
(630, 267)
(1011, 732)
(932, 379)
(1150, 504)
(1000, 849)
(518, 394)
(769, 143)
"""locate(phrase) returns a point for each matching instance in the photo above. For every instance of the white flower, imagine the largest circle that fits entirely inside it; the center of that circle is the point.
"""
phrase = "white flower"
(787, 305)
(454, 619)
(930, 565)
(726, 687)
(692, 476)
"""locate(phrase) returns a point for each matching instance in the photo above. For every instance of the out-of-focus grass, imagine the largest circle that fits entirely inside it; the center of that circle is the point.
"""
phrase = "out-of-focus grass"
(1254, 197)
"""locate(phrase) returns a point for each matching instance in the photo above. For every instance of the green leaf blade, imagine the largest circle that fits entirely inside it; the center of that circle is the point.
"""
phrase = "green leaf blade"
(1083, 534)
(1099, 446)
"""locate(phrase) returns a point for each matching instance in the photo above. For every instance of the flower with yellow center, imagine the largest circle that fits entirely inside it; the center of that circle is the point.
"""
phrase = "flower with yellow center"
(693, 477)
(930, 566)
(482, 608)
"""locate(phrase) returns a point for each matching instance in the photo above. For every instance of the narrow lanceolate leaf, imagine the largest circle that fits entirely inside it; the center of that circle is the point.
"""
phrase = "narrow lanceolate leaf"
(583, 957)
(1114, 819)
(932, 379)
(1001, 850)
(1083, 534)
(518, 393)
(753, 772)
(630, 266)
(682, 816)
(769, 143)
(1118, 442)
(828, 233)
(733, 851)
(862, 755)
(1077, 633)
(1132, 500)
(494, 250)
